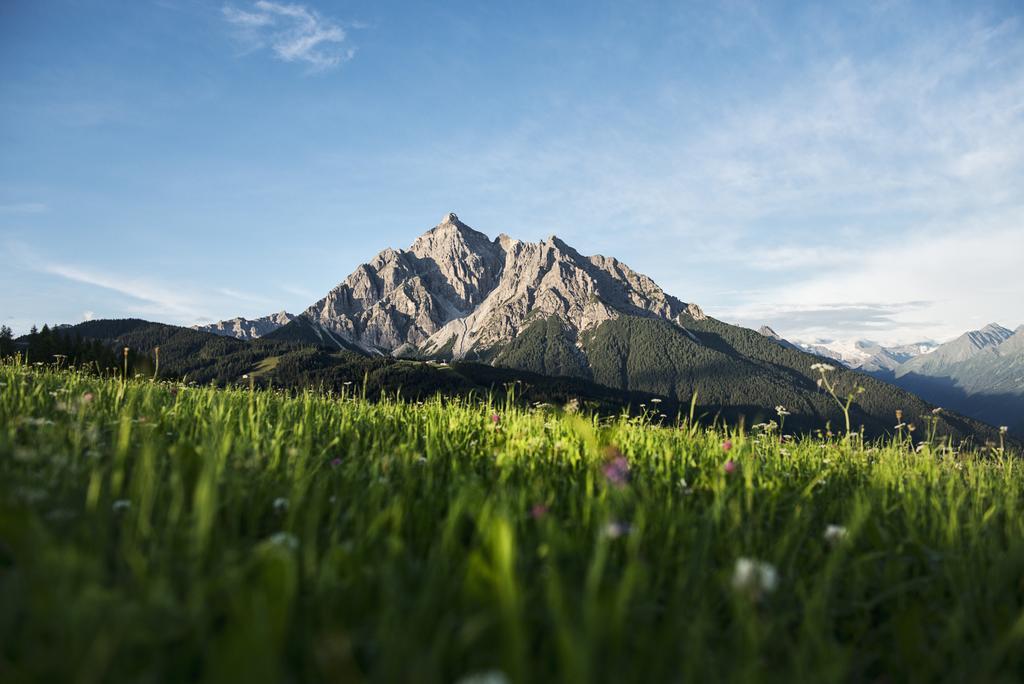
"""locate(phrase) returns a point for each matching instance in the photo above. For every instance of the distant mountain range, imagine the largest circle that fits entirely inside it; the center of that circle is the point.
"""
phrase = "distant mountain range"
(867, 356)
(455, 295)
(248, 329)
(980, 373)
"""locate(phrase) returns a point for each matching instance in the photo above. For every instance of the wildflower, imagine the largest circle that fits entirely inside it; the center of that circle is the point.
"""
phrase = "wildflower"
(245, 377)
(614, 530)
(87, 398)
(655, 400)
(280, 504)
(899, 415)
(822, 367)
(727, 445)
(900, 426)
(495, 418)
(488, 677)
(937, 410)
(781, 410)
(1003, 429)
(730, 467)
(335, 462)
(285, 539)
(538, 511)
(754, 577)
(685, 487)
(835, 534)
(121, 505)
(616, 470)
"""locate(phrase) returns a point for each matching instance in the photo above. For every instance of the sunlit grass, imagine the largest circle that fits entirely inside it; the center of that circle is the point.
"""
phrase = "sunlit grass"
(157, 532)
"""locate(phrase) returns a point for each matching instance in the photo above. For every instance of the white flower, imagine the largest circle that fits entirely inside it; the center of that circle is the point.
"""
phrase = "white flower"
(823, 367)
(754, 577)
(121, 505)
(685, 487)
(781, 410)
(488, 677)
(614, 530)
(834, 534)
(285, 539)
(280, 504)
(1003, 429)
(655, 401)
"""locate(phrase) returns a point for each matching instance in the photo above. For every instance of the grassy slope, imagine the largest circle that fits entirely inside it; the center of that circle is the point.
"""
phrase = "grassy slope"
(735, 372)
(265, 538)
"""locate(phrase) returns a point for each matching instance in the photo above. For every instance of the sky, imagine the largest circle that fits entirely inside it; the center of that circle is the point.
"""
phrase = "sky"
(832, 171)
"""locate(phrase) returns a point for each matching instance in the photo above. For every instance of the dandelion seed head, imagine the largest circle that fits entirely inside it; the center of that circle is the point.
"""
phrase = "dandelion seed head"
(835, 534)
(754, 577)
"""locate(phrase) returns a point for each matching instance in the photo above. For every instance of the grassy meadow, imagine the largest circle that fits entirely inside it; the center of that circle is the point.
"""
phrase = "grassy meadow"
(155, 532)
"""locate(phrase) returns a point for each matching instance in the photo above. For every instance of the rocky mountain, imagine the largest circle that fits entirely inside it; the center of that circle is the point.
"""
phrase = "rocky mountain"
(867, 356)
(247, 329)
(959, 350)
(457, 295)
(772, 335)
(980, 373)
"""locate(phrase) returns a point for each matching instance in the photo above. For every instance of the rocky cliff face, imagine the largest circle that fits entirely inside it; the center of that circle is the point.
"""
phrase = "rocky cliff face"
(456, 292)
(248, 329)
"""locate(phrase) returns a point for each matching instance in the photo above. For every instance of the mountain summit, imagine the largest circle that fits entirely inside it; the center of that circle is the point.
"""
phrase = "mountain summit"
(456, 291)
(544, 309)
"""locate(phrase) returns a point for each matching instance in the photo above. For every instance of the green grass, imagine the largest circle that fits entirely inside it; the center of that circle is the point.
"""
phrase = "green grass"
(164, 533)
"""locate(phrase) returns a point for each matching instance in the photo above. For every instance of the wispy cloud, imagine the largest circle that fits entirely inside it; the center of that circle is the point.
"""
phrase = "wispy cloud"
(293, 32)
(873, 176)
(158, 298)
(24, 208)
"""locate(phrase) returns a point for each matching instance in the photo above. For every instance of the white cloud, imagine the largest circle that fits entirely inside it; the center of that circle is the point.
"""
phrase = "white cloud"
(872, 178)
(293, 32)
(158, 298)
(24, 208)
(88, 315)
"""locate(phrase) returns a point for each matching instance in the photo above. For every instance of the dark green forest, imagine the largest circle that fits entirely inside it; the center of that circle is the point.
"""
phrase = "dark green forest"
(630, 363)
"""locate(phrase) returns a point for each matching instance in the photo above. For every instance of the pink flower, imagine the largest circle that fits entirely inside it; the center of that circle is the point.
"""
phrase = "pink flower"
(538, 511)
(495, 418)
(616, 470)
(730, 467)
(88, 397)
(726, 445)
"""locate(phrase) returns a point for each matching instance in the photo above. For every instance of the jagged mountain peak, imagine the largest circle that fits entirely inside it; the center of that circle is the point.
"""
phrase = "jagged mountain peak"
(455, 288)
(448, 234)
(247, 329)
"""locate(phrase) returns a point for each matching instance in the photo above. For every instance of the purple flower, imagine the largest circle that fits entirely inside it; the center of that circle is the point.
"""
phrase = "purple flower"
(616, 469)
(335, 462)
(495, 418)
(730, 467)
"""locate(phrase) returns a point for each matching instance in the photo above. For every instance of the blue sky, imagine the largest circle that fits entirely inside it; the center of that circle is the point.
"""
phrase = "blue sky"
(834, 172)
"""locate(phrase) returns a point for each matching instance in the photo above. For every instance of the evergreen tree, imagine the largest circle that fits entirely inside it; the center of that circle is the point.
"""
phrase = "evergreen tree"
(6, 341)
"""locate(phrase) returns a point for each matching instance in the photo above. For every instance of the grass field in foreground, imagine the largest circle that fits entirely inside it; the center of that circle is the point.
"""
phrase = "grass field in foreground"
(152, 532)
